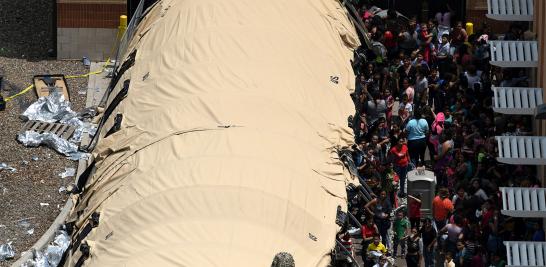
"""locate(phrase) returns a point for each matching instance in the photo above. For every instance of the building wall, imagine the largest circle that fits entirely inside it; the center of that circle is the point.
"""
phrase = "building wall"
(88, 28)
(475, 13)
(540, 29)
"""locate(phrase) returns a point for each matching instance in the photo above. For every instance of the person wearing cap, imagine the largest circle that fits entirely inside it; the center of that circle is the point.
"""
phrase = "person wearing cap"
(441, 208)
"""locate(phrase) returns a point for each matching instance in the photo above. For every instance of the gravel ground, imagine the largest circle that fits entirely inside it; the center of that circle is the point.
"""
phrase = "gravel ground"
(35, 181)
(27, 28)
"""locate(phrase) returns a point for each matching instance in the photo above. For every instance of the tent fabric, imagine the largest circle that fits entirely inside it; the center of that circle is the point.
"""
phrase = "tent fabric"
(227, 152)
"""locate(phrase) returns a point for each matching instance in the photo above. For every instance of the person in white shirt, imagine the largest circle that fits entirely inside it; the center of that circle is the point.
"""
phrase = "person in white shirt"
(421, 88)
(382, 262)
(444, 54)
(473, 76)
(444, 49)
(479, 191)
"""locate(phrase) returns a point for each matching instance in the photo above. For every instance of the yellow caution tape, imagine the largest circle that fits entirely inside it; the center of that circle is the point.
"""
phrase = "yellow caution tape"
(24, 91)
(118, 37)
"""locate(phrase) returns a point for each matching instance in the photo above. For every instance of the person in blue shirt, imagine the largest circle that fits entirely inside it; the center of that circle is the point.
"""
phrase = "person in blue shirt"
(538, 235)
(417, 129)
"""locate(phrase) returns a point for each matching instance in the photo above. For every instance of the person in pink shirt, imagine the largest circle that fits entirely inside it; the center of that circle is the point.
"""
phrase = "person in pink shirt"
(436, 130)
(408, 90)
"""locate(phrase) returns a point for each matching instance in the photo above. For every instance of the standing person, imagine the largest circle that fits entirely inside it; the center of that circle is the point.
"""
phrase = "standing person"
(432, 80)
(401, 226)
(459, 198)
(478, 191)
(441, 11)
(458, 35)
(444, 157)
(421, 87)
(390, 104)
(379, 49)
(436, 130)
(406, 71)
(428, 234)
(408, 90)
(408, 39)
(417, 129)
(369, 230)
(415, 246)
(376, 108)
(405, 109)
(426, 41)
(454, 233)
(415, 210)
(441, 208)
(381, 211)
(444, 54)
(399, 156)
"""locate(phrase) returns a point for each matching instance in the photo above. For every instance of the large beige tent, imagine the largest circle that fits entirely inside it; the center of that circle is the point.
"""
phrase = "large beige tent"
(227, 150)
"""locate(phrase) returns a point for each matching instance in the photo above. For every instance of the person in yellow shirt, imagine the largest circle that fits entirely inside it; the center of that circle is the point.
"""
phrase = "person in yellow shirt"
(373, 248)
(376, 245)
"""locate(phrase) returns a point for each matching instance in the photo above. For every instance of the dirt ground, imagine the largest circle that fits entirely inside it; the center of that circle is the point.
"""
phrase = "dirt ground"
(29, 197)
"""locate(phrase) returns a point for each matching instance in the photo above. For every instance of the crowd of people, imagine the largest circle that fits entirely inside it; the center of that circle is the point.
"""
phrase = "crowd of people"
(423, 100)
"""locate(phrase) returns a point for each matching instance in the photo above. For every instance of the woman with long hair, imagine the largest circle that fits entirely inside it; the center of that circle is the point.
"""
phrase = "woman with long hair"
(444, 157)
(381, 212)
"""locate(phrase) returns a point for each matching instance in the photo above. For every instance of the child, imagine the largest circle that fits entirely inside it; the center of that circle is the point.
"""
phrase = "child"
(401, 225)
(449, 260)
(406, 109)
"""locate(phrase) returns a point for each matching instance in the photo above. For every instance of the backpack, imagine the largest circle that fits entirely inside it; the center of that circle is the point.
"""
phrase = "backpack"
(380, 51)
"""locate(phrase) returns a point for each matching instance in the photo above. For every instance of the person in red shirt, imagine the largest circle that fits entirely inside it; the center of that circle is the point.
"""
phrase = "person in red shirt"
(426, 39)
(368, 230)
(400, 158)
(415, 210)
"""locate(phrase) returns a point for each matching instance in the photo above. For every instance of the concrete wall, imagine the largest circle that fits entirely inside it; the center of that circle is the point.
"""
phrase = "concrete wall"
(94, 43)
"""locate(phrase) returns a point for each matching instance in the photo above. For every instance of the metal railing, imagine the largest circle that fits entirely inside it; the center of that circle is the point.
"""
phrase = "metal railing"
(524, 150)
(523, 202)
(516, 100)
(524, 253)
(514, 10)
(514, 54)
